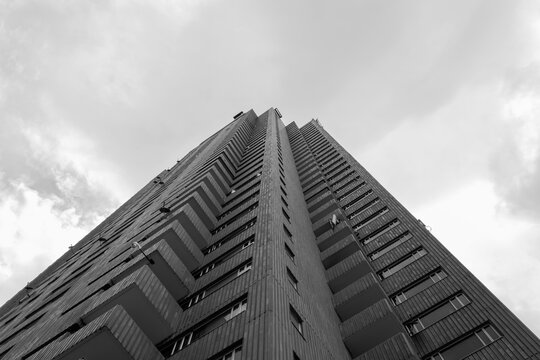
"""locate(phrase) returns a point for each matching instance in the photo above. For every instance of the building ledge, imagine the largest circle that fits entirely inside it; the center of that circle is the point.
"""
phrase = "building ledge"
(113, 335)
(145, 299)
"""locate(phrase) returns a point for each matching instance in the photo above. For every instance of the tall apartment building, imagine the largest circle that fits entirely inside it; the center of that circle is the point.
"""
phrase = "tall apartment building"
(264, 242)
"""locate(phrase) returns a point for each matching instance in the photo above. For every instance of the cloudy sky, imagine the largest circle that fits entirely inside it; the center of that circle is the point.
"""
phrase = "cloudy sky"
(438, 99)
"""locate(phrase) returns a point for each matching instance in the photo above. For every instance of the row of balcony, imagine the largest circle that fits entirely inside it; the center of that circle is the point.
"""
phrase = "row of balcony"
(370, 329)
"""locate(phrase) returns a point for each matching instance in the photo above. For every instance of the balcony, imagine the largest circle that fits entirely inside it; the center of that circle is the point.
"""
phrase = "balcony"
(167, 267)
(339, 251)
(358, 296)
(180, 242)
(203, 191)
(329, 238)
(145, 299)
(113, 335)
(370, 327)
(347, 271)
(200, 206)
(323, 214)
(398, 347)
(320, 200)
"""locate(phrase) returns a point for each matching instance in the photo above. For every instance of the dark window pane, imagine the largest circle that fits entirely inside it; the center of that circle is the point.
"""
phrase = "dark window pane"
(463, 348)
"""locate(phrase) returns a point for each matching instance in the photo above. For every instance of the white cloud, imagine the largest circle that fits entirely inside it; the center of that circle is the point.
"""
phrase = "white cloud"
(423, 159)
(97, 97)
(497, 247)
(33, 235)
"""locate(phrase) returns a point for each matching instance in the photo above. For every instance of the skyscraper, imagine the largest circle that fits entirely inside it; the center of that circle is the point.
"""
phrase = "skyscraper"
(264, 242)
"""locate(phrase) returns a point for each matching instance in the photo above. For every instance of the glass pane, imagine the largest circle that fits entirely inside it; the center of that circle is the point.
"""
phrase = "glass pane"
(437, 314)
(399, 266)
(243, 307)
(483, 336)
(416, 327)
(493, 334)
(391, 247)
(400, 298)
(418, 288)
(425, 284)
(463, 299)
(463, 348)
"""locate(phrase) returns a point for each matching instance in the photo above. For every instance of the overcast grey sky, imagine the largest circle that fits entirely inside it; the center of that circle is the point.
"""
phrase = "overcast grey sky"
(438, 99)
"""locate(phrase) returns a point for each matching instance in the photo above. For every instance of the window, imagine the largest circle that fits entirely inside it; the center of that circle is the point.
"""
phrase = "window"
(468, 345)
(196, 298)
(354, 201)
(286, 215)
(295, 357)
(419, 286)
(289, 252)
(230, 236)
(360, 210)
(235, 354)
(380, 231)
(252, 196)
(182, 342)
(409, 259)
(338, 173)
(216, 285)
(437, 313)
(236, 310)
(225, 256)
(176, 344)
(287, 231)
(371, 218)
(236, 217)
(292, 279)
(284, 201)
(244, 269)
(297, 321)
(350, 173)
(283, 190)
(391, 246)
(343, 186)
(248, 243)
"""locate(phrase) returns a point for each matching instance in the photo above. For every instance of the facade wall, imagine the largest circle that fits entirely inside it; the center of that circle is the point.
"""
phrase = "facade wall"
(264, 242)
